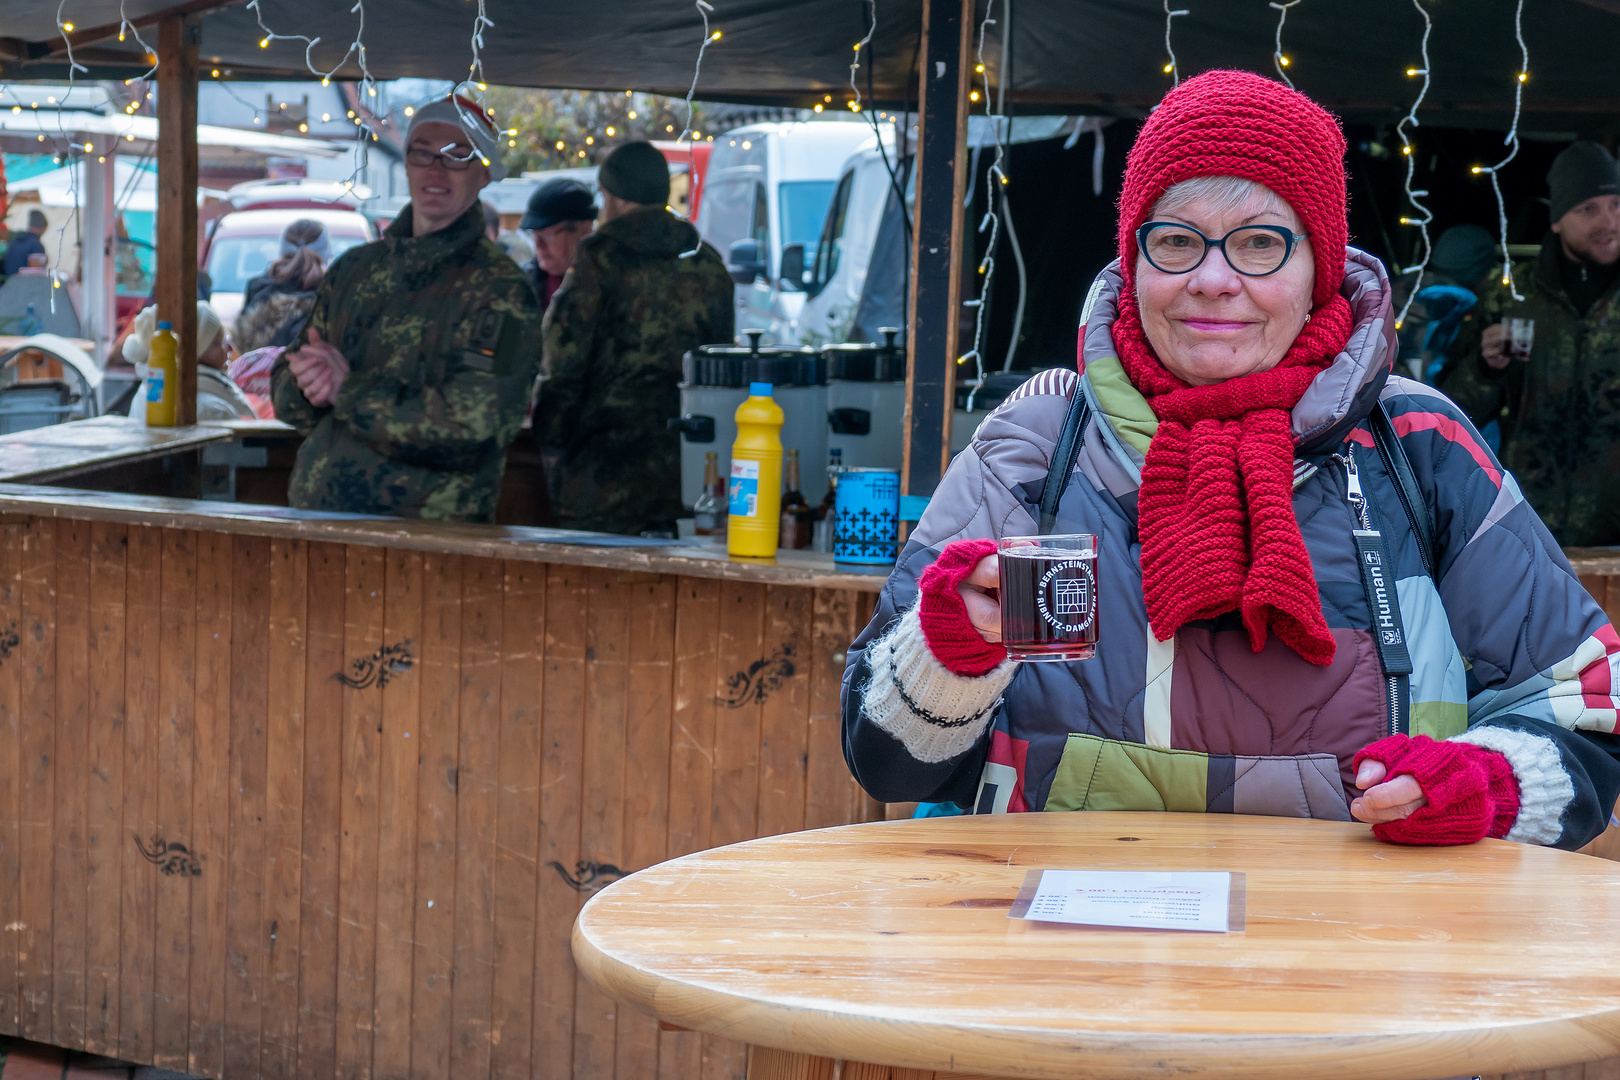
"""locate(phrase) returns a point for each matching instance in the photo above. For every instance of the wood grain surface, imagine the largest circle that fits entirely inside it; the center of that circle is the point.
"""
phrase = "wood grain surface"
(41, 455)
(289, 807)
(889, 943)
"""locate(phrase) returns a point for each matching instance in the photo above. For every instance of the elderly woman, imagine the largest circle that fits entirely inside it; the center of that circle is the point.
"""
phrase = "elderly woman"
(1244, 444)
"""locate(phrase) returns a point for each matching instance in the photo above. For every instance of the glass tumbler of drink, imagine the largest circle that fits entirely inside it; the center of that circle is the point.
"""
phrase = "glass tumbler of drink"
(1520, 336)
(1049, 596)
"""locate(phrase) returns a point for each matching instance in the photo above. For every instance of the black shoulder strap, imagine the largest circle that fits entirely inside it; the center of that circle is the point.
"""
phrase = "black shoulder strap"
(1063, 456)
(1406, 485)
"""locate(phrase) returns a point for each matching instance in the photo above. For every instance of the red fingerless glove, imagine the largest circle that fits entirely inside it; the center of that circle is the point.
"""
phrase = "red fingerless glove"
(1471, 791)
(951, 635)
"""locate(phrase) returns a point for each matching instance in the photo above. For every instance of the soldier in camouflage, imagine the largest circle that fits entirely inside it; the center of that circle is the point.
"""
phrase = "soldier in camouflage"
(627, 310)
(414, 370)
(1560, 409)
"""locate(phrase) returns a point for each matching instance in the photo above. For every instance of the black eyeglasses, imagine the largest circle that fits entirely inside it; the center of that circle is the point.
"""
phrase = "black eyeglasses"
(424, 159)
(1253, 250)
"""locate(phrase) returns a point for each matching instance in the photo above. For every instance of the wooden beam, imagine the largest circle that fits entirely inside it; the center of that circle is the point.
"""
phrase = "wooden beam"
(177, 199)
(935, 300)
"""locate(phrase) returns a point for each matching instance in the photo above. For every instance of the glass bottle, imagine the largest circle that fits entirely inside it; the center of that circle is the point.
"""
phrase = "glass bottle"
(797, 515)
(709, 511)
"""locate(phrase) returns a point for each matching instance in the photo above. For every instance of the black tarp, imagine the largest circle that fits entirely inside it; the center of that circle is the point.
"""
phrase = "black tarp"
(1100, 56)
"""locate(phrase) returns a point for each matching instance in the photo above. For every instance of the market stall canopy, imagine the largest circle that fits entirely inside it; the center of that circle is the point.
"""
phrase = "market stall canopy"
(1098, 56)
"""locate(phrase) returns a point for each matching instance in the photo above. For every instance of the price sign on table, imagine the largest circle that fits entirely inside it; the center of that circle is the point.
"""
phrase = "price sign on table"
(1141, 899)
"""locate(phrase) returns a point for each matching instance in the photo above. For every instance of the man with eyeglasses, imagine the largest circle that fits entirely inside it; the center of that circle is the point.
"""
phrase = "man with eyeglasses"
(414, 371)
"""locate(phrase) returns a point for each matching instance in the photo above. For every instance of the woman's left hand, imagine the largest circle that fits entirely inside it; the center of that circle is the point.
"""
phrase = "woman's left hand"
(1382, 800)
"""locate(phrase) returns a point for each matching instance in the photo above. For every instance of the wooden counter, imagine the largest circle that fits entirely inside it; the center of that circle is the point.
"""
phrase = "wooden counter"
(287, 794)
(301, 795)
(64, 451)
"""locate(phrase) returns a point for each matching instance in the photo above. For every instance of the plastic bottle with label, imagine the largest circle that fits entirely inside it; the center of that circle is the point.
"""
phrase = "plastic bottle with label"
(755, 489)
(162, 377)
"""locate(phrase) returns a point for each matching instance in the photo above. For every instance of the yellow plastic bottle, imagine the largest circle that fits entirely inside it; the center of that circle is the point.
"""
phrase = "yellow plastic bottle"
(755, 489)
(162, 378)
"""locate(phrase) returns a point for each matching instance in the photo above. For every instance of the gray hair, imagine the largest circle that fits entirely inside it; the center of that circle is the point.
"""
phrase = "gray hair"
(1226, 193)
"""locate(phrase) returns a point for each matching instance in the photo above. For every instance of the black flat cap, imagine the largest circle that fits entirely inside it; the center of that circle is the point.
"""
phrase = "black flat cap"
(556, 201)
(636, 172)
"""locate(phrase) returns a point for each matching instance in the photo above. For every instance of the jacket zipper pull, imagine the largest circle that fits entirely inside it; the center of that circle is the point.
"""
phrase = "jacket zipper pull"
(1353, 493)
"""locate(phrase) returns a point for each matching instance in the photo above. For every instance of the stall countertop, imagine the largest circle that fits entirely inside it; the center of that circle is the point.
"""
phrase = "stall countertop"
(693, 559)
(59, 451)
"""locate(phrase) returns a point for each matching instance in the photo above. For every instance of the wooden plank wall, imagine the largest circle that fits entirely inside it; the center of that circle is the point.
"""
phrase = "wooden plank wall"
(292, 809)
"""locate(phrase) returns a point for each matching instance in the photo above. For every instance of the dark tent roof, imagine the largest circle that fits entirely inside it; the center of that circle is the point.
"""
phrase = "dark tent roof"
(1068, 55)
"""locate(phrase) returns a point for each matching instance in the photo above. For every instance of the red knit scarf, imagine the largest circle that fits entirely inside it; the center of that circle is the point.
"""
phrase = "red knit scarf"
(1216, 510)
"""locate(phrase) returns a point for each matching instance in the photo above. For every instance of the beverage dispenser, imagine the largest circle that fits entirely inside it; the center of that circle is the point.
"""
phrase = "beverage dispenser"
(715, 381)
(866, 402)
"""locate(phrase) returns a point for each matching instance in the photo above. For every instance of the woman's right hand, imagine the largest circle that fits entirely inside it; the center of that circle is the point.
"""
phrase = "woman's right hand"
(980, 592)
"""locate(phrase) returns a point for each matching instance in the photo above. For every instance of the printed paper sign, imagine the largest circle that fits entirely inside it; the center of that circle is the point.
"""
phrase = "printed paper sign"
(1145, 899)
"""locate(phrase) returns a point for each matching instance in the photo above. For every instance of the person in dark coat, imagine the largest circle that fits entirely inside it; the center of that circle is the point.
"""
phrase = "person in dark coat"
(642, 291)
(26, 244)
(559, 215)
(275, 304)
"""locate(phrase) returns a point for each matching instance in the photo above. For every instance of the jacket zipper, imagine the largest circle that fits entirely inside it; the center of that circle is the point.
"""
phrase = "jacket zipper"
(1358, 503)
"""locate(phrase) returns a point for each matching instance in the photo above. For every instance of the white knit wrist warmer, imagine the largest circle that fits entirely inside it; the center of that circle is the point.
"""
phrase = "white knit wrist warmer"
(935, 713)
(1545, 789)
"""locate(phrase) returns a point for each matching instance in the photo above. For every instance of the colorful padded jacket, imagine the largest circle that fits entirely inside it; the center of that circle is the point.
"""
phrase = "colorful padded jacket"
(1508, 651)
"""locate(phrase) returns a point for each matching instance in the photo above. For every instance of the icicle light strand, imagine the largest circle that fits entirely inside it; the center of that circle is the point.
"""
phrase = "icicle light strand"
(1412, 195)
(1512, 142)
(1277, 58)
(703, 8)
(1171, 69)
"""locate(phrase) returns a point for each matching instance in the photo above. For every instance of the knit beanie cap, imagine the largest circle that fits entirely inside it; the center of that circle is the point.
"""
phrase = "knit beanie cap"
(1464, 253)
(1584, 170)
(636, 172)
(470, 117)
(1237, 123)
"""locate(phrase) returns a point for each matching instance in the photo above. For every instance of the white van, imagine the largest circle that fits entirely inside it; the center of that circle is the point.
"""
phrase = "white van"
(767, 188)
(836, 277)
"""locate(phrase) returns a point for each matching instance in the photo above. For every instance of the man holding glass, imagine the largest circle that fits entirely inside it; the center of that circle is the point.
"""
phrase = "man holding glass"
(414, 370)
(1548, 367)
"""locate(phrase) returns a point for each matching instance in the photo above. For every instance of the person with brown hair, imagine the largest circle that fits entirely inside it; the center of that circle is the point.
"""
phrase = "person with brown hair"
(275, 304)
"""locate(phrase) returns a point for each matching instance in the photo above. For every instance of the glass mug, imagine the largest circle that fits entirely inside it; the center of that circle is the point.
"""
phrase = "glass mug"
(1048, 596)
(1518, 336)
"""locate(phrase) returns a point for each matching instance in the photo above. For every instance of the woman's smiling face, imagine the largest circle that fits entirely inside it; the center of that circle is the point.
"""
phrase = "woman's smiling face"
(1212, 323)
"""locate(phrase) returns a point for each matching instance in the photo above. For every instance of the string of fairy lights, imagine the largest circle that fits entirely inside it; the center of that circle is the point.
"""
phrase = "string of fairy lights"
(1278, 60)
(368, 124)
(996, 182)
(1424, 215)
(1512, 143)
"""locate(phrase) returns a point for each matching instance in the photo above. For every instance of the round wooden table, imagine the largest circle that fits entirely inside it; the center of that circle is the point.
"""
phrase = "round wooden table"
(889, 943)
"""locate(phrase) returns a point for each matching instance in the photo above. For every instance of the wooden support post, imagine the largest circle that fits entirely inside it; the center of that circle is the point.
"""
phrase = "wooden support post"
(98, 245)
(935, 300)
(177, 199)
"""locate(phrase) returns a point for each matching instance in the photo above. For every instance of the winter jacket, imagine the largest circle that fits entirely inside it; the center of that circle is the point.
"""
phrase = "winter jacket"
(630, 305)
(273, 317)
(1559, 410)
(1508, 650)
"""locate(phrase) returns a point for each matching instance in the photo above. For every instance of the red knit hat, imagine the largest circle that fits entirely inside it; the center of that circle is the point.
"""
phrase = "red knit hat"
(1237, 123)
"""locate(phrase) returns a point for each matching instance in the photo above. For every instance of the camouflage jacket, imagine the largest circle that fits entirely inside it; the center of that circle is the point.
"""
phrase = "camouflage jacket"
(1560, 410)
(627, 310)
(442, 337)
